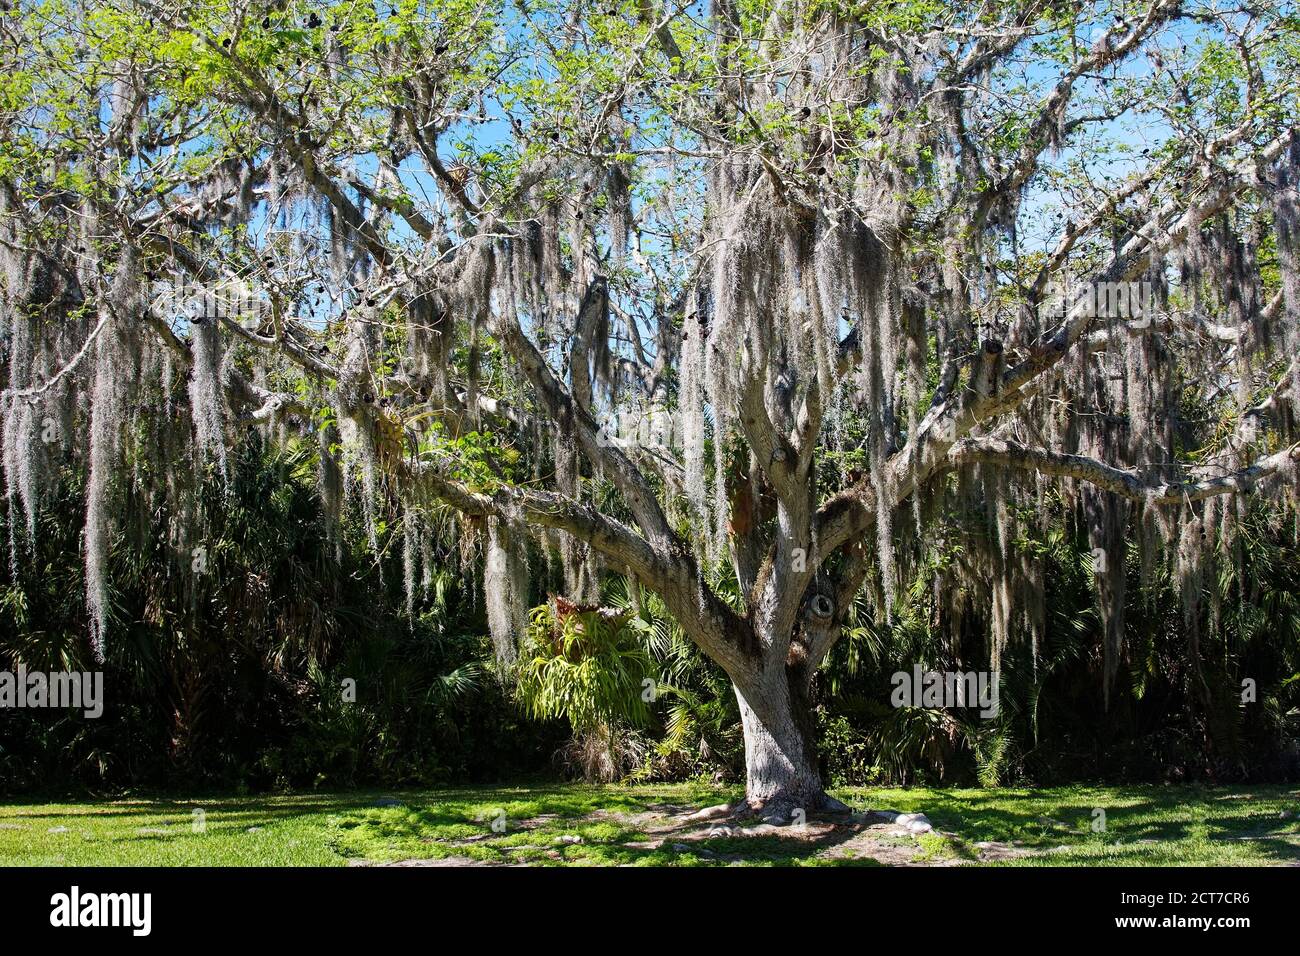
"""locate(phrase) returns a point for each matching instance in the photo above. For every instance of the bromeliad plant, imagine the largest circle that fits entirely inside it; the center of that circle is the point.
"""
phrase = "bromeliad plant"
(586, 665)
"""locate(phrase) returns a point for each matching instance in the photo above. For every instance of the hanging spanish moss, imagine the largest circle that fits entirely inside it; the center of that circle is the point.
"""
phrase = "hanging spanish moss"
(207, 391)
(105, 421)
(505, 588)
(330, 484)
(619, 205)
(355, 397)
(691, 402)
(1286, 225)
(22, 449)
(410, 556)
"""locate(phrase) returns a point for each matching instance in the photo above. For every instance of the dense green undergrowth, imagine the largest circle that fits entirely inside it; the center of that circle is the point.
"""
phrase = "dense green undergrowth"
(234, 678)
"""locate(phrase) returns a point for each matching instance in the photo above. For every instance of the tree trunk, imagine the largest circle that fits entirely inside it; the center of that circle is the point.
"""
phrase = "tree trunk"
(781, 775)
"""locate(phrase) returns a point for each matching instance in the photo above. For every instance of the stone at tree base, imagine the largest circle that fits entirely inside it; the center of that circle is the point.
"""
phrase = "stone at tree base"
(833, 807)
(916, 822)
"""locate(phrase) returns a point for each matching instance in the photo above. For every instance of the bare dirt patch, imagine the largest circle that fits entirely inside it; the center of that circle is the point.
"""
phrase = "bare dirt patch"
(883, 838)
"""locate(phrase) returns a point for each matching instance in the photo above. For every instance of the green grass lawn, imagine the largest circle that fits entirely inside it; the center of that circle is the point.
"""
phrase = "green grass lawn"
(642, 825)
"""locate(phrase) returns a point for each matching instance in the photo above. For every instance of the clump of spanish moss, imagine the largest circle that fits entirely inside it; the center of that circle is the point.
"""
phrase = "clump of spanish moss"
(207, 391)
(106, 409)
(505, 589)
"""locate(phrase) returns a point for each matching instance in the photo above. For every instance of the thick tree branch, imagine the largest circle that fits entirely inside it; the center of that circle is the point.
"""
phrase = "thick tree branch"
(1125, 483)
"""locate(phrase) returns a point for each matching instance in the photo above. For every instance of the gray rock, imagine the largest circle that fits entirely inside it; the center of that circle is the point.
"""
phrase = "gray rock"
(836, 807)
(915, 822)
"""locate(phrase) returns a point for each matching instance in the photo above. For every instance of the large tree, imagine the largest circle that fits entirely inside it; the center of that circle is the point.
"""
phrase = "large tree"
(740, 300)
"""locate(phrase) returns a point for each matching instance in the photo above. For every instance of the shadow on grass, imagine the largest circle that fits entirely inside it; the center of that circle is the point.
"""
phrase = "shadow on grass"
(561, 824)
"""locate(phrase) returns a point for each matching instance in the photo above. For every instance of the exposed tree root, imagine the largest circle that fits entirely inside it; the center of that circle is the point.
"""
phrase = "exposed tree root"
(777, 811)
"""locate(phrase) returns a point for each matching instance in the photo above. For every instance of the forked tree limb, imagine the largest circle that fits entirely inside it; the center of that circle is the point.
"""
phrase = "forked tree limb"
(721, 633)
